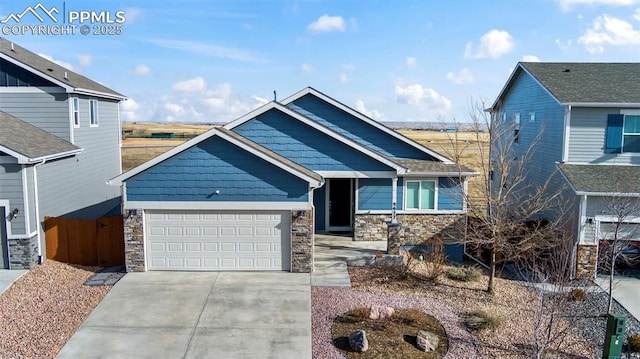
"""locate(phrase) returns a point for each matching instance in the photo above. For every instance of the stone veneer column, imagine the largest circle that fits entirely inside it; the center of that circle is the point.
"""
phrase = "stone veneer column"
(393, 238)
(302, 241)
(586, 263)
(23, 252)
(134, 240)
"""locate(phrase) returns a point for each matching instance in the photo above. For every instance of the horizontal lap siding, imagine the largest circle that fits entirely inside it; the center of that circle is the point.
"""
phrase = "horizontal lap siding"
(450, 196)
(48, 111)
(354, 128)
(11, 190)
(216, 165)
(319, 202)
(587, 137)
(305, 145)
(524, 97)
(374, 194)
(73, 184)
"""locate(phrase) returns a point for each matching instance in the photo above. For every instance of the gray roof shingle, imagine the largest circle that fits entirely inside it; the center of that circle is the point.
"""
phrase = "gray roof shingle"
(30, 141)
(50, 69)
(576, 82)
(433, 167)
(602, 178)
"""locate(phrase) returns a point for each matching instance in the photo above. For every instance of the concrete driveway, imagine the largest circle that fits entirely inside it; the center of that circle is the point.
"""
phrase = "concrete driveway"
(199, 315)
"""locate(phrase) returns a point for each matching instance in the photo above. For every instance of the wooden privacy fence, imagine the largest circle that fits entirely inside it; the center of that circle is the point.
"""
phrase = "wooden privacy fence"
(89, 242)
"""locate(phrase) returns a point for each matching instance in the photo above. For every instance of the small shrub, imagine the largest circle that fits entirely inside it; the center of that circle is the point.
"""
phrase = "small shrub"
(483, 319)
(464, 274)
(634, 343)
(577, 295)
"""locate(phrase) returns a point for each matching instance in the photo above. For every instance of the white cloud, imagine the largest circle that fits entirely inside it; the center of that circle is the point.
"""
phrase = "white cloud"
(609, 30)
(636, 15)
(206, 49)
(411, 61)
(307, 68)
(530, 58)
(128, 110)
(326, 23)
(132, 13)
(493, 44)
(195, 84)
(374, 114)
(141, 70)
(195, 101)
(463, 76)
(426, 99)
(567, 5)
(564, 46)
(343, 77)
(66, 65)
(85, 60)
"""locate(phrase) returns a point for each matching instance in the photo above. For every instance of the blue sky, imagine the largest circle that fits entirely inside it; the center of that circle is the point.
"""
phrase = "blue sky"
(213, 61)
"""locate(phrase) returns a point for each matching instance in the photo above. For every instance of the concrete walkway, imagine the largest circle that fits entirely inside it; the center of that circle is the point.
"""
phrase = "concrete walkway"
(626, 291)
(7, 277)
(333, 253)
(199, 315)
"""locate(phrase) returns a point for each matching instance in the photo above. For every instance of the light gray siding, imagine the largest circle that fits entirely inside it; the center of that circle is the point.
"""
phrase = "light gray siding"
(72, 184)
(48, 111)
(601, 207)
(31, 197)
(587, 138)
(11, 190)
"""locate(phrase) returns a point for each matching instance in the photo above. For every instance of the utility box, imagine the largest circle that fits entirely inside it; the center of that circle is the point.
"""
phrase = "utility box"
(614, 336)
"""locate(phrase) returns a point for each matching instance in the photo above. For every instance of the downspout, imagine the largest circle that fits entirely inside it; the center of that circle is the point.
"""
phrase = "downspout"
(37, 209)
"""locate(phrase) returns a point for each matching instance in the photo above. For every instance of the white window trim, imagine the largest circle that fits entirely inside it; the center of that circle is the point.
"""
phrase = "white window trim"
(418, 210)
(75, 111)
(93, 123)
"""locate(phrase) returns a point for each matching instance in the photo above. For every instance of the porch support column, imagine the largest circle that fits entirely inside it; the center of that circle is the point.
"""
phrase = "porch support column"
(394, 199)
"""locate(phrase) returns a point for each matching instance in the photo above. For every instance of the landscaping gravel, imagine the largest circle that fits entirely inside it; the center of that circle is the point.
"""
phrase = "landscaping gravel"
(42, 309)
(329, 302)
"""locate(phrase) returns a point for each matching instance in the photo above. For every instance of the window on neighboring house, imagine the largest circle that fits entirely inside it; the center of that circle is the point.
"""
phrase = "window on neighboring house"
(420, 195)
(516, 128)
(94, 113)
(623, 133)
(76, 112)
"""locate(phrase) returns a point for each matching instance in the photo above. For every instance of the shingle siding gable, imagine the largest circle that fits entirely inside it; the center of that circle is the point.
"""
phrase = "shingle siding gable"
(216, 165)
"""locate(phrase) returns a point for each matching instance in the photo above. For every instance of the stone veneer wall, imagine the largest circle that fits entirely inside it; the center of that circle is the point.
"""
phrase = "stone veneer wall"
(134, 240)
(415, 228)
(23, 252)
(586, 263)
(302, 241)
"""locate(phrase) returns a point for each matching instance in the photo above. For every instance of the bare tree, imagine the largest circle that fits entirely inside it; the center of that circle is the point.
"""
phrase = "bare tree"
(505, 216)
(618, 235)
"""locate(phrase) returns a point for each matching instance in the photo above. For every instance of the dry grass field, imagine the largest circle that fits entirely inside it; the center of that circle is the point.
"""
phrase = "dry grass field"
(461, 146)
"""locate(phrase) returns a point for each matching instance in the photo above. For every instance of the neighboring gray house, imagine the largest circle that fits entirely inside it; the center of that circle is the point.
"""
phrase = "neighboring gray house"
(59, 144)
(588, 118)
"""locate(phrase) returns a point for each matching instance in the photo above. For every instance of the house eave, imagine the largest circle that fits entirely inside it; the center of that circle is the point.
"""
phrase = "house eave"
(441, 174)
(608, 194)
(603, 104)
(25, 160)
(87, 92)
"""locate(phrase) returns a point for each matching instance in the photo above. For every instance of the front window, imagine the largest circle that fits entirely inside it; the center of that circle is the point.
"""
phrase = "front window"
(631, 134)
(420, 195)
(94, 113)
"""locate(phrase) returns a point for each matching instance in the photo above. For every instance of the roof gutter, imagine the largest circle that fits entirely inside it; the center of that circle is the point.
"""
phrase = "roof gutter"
(441, 174)
(81, 91)
(56, 156)
(603, 104)
(609, 194)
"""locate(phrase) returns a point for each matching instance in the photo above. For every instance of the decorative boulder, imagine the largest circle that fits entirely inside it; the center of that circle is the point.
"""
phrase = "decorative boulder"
(426, 341)
(380, 312)
(358, 341)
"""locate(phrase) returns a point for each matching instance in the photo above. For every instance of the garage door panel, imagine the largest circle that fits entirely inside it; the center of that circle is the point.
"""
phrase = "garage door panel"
(217, 240)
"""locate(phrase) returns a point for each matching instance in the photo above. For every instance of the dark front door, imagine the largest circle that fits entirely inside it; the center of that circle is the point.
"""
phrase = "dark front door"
(340, 203)
(4, 254)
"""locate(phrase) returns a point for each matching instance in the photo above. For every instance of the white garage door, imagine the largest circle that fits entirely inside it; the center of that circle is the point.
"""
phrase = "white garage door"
(217, 240)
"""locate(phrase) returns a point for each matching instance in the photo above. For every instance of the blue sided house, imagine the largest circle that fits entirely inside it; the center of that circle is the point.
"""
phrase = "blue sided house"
(250, 195)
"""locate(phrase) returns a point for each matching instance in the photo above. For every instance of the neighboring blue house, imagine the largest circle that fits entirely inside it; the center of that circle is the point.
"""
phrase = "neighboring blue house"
(59, 144)
(251, 195)
(587, 119)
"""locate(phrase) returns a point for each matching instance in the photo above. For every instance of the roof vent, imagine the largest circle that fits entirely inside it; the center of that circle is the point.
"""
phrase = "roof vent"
(50, 69)
(65, 76)
(566, 70)
(12, 49)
